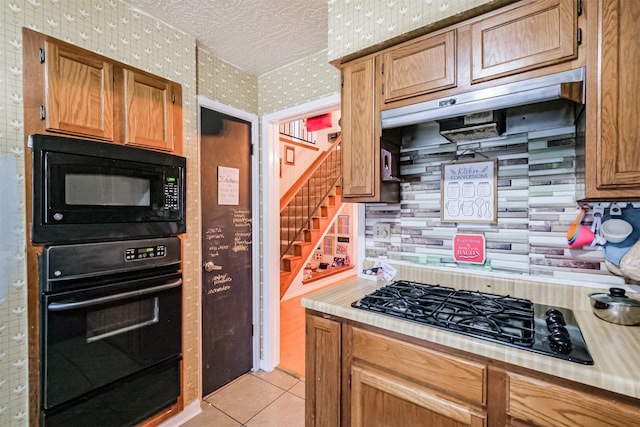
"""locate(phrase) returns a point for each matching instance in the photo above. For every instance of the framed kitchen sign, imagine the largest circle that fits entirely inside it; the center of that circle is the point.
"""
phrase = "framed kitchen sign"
(469, 192)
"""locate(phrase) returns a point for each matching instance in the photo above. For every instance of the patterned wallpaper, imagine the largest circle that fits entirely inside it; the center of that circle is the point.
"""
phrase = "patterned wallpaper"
(302, 81)
(113, 29)
(222, 82)
(358, 24)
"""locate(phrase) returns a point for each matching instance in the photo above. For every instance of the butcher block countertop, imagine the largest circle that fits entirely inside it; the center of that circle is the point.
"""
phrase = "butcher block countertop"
(615, 348)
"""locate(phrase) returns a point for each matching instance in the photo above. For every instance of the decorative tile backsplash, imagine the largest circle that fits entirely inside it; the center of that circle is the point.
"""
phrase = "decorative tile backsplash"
(536, 204)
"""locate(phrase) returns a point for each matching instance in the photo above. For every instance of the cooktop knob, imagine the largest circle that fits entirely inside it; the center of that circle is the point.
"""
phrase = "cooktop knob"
(554, 317)
(560, 342)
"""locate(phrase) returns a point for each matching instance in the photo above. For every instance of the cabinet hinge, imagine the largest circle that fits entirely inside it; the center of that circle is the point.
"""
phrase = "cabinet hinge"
(173, 98)
(342, 81)
(382, 88)
(42, 56)
(382, 68)
(349, 381)
(251, 150)
(579, 36)
(43, 113)
(579, 6)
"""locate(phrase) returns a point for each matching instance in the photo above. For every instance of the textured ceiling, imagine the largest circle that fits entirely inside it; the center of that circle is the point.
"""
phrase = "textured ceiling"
(256, 36)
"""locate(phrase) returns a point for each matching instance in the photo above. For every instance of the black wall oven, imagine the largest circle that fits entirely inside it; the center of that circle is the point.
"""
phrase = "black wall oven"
(111, 319)
(86, 191)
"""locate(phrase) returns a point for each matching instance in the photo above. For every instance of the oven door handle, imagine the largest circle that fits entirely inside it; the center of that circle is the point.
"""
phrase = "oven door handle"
(62, 306)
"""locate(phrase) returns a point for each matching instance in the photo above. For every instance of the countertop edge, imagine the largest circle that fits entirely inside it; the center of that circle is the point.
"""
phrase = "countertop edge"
(612, 370)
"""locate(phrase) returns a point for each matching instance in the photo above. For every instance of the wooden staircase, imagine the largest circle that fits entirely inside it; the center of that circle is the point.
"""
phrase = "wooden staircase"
(295, 259)
(306, 211)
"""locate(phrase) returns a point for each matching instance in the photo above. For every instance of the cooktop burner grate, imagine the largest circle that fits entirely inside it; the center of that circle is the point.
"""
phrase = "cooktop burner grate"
(503, 319)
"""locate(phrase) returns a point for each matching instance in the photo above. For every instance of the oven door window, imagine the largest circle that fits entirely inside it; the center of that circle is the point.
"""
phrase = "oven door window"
(120, 319)
(93, 338)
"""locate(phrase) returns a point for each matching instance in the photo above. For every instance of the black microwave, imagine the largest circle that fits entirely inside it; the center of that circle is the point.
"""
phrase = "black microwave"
(87, 191)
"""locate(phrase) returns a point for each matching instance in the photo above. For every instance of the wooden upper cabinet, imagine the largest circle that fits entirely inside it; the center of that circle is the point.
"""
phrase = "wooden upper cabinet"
(535, 35)
(149, 104)
(359, 134)
(419, 67)
(613, 129)
(78, 92)
(72, 91)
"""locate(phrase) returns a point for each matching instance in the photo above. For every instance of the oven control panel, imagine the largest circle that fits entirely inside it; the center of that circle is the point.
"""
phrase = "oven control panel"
(132, 254)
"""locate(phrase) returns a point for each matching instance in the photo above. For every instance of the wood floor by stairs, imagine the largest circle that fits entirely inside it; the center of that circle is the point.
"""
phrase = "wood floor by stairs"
(295, 260)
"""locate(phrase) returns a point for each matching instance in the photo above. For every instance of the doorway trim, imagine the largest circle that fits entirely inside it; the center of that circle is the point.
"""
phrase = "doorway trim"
(255, 219)
(270, 157)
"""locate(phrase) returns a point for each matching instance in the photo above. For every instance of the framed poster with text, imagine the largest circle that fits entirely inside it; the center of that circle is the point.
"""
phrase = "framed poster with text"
(469, 192)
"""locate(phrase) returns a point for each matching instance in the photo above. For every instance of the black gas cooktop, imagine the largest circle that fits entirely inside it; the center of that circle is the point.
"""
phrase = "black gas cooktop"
(515, 322)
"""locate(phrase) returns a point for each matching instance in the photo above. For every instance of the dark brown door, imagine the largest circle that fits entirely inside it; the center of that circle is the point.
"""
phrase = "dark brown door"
(225, 173)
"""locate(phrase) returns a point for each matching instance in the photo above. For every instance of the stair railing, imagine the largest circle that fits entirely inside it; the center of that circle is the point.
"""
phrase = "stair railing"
(299, 205)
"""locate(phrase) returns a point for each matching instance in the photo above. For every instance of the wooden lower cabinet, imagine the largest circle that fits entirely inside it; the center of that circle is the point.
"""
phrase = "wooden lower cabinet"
(322, 371)
(383, 399)
(532, 401)
(363, 376)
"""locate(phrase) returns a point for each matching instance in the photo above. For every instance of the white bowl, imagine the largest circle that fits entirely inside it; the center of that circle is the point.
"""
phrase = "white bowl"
(616, 230)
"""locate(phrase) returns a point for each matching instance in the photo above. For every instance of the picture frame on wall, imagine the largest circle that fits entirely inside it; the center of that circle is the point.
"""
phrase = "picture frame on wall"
(289, 155)
(469, 192)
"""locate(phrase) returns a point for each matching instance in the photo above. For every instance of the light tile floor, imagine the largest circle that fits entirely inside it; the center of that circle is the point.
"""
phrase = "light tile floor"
(256, 399)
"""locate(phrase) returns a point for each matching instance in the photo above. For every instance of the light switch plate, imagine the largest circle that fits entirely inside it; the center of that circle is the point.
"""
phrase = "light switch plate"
(381, 232)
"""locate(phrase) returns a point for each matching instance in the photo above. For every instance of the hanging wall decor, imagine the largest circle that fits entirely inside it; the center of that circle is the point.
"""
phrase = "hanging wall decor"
(469, 192)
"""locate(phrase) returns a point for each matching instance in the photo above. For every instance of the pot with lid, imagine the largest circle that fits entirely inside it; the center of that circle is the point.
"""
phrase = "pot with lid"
(616, 307)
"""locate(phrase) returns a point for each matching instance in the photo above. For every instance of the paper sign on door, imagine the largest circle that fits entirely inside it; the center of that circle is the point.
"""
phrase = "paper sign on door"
(228, 185)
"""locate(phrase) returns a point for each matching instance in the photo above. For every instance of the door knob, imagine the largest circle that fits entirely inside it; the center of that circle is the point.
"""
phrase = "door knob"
(210, 266)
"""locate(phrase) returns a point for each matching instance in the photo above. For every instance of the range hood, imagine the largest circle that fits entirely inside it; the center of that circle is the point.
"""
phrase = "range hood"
(565, 85)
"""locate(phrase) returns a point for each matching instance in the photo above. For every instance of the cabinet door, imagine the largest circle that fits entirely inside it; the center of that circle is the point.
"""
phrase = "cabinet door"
(613, 132)
(381, 399)
(78, 92)
(541, 403)
(149, 104)
(360, 154)
(537, 34)
(420, 67)
(322, 365)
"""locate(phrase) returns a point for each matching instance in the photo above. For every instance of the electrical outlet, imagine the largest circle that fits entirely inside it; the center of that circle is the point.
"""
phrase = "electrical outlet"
(381, 232)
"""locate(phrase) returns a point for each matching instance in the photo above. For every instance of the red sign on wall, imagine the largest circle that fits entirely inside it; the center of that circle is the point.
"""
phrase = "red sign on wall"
(469, 248)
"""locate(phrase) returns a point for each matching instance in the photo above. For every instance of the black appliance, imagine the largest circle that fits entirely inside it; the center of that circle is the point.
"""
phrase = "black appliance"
(515, 322)
(110, 322)
(87, 191)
